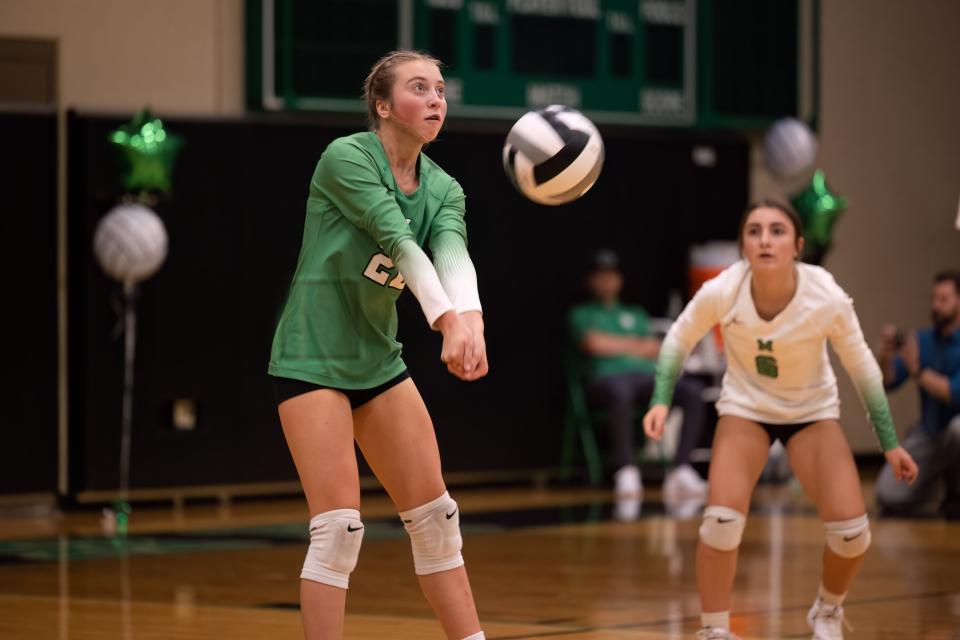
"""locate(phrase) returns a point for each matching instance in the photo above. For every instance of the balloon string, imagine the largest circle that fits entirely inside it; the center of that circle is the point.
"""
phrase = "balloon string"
(130, 341)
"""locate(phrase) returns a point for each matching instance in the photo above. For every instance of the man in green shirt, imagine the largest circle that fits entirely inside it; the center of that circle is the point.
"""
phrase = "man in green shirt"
(619, 357)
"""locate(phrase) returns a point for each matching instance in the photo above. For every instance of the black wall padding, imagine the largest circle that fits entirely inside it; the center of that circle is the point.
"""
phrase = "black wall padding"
(28, 307)
(235, 220)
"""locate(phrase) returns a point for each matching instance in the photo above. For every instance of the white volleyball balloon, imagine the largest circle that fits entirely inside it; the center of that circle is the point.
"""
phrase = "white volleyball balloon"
(130, 243)
(790, 148)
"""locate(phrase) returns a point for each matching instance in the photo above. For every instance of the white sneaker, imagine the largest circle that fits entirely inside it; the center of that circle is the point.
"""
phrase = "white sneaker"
(627, 482)
(684, 482)
(627, 508)
(716, 633)
(826, 621)
(683, 508)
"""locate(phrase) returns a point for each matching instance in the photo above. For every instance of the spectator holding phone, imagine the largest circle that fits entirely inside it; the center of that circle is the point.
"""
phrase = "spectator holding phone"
(931, 357)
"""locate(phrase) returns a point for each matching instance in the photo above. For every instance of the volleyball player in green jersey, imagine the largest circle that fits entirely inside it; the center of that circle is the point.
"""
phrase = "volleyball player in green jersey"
(374, 200)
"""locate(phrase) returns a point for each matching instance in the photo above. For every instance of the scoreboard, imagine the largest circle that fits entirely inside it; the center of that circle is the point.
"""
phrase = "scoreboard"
(686, 63)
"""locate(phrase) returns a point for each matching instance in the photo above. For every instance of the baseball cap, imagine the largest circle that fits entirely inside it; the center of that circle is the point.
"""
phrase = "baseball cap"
(606, 259)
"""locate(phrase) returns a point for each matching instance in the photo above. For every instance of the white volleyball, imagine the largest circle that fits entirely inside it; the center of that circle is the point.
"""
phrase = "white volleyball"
(790, 148)
(130, 243)
(553, 155)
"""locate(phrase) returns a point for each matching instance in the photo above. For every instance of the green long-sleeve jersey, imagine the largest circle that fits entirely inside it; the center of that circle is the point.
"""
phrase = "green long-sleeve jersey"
(338, 327)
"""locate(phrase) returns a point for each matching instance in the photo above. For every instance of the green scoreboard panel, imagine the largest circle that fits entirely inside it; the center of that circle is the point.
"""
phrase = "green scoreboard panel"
(688, 63)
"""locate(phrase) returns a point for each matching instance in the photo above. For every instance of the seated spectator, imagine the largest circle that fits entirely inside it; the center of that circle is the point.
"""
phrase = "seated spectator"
(931, 357)
(620, 356)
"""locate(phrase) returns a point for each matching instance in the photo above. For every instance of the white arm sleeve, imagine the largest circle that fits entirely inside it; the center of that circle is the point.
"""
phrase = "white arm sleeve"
(419, 274)
(699, 316)
(456, 271)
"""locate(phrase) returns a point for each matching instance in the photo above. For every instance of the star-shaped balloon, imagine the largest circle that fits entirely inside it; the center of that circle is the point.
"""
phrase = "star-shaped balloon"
(148, 153)
(819, 209)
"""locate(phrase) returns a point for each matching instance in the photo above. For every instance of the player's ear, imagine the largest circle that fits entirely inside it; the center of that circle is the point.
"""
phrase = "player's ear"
(383, 108)
(799, 248)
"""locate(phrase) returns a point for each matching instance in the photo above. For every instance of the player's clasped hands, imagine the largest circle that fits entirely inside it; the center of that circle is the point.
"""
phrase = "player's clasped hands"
(464, 349)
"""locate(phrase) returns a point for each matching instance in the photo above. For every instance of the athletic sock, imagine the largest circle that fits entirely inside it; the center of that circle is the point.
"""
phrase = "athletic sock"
(831, 598)
(716, 619)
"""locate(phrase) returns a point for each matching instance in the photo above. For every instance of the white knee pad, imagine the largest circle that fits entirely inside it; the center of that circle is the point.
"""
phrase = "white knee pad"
(722, 528)
(849, 538)
(434, 530)
(335, 538)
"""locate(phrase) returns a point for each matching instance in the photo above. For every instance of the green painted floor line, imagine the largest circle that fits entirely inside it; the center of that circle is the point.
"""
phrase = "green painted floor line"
(205, 541)
(97, 548)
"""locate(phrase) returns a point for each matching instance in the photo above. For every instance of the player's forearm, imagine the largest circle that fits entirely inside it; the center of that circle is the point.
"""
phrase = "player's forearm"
(421, 277)
(669, 364)
(456, 272)
(874, 398)
(867, 377)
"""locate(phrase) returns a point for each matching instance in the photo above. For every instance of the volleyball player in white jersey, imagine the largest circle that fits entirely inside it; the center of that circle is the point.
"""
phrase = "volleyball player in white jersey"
(777, 315)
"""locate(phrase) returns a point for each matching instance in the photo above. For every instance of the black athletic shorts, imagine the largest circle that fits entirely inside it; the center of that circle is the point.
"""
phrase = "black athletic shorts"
(286, 388)
(783, 431)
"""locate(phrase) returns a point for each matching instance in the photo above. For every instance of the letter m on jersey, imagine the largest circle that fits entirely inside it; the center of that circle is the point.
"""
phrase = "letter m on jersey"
(764, 345)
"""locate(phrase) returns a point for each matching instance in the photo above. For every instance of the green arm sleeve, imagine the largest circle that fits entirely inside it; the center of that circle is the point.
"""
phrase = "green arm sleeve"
(847, 341)
(669, 364)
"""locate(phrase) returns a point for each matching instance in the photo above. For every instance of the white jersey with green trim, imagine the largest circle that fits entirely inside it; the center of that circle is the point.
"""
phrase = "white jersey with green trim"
(778, 371)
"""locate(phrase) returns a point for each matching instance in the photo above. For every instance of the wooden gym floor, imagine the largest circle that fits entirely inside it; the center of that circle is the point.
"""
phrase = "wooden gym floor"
(545, 564)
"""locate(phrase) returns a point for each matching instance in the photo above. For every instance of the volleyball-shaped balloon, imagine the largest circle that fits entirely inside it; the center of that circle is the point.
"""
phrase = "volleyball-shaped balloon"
(789, 148)
(130, 243)
(553, 155)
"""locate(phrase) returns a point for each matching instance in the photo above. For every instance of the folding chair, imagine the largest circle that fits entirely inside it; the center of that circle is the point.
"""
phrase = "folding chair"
(580, 424)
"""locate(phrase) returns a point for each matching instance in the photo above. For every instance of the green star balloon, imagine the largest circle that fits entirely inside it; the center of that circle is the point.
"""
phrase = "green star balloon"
(148, 153)
(819, 209)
